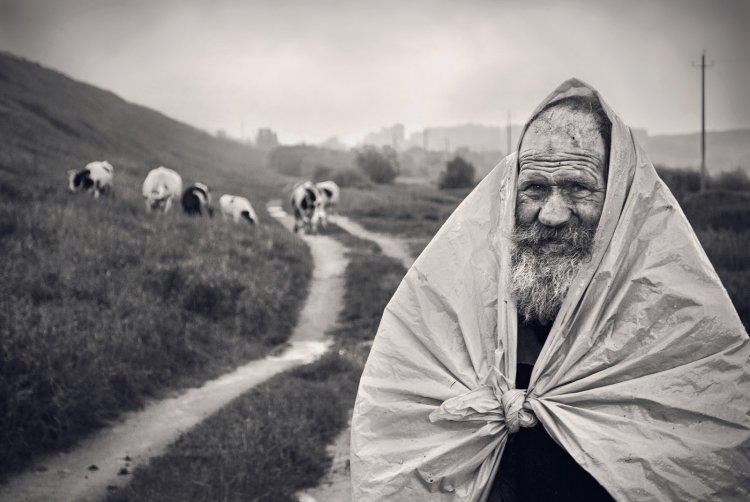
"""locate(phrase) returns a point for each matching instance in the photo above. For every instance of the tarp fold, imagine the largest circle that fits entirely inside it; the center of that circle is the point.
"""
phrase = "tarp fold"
(643, 379)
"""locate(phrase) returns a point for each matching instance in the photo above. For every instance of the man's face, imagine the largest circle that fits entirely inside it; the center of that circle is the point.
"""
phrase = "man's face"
(560, 197)
(561, 177)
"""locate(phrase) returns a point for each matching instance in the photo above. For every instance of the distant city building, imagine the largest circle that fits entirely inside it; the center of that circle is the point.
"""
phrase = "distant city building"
(266, 139)
(394, 136)
(475, 137)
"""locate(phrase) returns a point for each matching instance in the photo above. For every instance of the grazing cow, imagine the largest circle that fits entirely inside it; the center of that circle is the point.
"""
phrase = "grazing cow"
(160, 187)
(96, 177)
(330, 193)
(196, 200)
(238, 208)
(308, 210)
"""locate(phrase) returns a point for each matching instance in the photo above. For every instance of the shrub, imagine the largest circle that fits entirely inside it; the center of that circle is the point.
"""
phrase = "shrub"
(458, 173)
(680, 181)
(731, 180)
(350, 178)
(380, 166)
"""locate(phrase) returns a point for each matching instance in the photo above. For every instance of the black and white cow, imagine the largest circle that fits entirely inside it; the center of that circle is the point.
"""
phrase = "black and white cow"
(330, 193)
(307, 205)
(238, 208)
(160, 187)
(196, 200)
(97, 177)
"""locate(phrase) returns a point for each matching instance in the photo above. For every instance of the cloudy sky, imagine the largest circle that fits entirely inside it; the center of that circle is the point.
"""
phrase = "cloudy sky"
(312, 69)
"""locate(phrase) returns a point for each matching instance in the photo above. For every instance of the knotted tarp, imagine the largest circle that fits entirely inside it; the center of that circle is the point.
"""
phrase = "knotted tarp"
(643, 379)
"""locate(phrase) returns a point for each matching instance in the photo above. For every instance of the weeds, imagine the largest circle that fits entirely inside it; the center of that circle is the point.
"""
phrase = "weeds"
(103, 305)
(414, 211)
(271, 442)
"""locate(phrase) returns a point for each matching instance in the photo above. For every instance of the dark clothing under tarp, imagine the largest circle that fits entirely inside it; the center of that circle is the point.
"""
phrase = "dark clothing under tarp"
(533, 467)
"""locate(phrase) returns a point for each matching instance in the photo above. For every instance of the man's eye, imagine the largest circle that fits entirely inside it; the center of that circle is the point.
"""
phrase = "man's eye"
(578, 189)
(534, 188)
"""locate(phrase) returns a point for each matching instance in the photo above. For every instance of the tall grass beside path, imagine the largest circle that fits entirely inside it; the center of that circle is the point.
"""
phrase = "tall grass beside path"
(103, 305)
(271, 442)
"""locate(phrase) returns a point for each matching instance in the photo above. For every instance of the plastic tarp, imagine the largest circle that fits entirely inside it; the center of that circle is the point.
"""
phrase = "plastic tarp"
(643, 379)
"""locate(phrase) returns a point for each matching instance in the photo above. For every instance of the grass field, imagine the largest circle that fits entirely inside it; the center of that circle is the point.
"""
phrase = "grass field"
(721, 219)
(272, 441)
(414, 212)
(401, 209)
(101, 304)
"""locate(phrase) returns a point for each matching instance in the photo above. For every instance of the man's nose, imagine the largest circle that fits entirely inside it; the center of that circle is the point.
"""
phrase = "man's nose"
(555, 211)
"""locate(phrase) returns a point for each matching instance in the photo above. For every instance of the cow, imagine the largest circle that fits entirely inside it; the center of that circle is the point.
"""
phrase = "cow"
(238, 208)
(97, 177)
(330, 194)
(196, 200)
(160, 187)
(308, 209)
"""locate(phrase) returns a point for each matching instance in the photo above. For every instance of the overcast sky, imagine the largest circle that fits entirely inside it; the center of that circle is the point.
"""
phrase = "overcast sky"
(312, 69)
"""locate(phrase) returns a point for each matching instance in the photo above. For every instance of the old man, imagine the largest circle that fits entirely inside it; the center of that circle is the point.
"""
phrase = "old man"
(563, 337)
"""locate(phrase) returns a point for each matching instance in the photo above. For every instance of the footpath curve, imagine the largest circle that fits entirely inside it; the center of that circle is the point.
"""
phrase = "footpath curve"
(103, 461)
(336, 485)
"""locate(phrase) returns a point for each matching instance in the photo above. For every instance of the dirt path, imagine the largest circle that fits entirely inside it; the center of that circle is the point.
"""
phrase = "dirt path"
(102, 461)
(336, 486)
(394, 247)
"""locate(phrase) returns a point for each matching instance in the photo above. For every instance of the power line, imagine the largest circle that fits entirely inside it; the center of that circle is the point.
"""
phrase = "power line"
(703, 67)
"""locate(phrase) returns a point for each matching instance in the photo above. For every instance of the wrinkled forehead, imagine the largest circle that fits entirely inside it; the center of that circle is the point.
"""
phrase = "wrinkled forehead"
(562, 130)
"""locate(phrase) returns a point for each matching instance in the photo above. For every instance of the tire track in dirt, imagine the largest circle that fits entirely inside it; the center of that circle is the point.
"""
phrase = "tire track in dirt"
(336, 486)
(139, 436)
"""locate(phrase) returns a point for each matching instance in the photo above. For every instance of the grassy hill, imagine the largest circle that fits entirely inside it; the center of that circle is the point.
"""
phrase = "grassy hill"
(101, 304)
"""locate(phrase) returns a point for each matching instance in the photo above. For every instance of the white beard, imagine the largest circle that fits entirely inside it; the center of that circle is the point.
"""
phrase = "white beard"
(540, 276)
(539, 283)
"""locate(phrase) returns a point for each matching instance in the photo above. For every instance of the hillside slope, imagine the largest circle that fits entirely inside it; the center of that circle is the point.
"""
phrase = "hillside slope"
(102, 304)
(46, 116)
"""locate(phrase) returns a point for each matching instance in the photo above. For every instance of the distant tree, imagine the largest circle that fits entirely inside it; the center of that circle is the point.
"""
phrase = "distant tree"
(381, 166)
(458, 173)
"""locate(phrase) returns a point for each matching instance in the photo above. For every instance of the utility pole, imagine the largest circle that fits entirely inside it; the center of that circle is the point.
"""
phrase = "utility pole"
(703, 67)
(509, 133)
